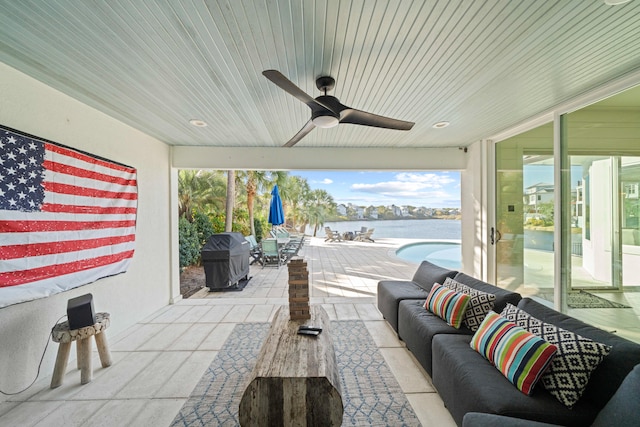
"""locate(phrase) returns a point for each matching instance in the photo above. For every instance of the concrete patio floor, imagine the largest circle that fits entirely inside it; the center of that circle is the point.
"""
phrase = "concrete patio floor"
(158, 361)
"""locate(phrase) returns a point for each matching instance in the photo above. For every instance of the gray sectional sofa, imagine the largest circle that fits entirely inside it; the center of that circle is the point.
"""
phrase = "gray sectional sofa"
(466, 381)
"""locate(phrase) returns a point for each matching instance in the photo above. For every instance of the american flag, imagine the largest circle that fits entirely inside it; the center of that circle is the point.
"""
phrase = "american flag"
(66, 218)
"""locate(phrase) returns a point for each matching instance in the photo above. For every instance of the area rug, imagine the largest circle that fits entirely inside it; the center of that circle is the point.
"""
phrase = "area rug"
(370, 393)
(582, 299)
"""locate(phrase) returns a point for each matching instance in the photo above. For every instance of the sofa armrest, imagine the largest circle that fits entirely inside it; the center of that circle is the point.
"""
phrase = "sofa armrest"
(477, 419)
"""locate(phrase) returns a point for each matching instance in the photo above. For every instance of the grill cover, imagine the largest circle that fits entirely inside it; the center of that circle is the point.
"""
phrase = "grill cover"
(225, 258)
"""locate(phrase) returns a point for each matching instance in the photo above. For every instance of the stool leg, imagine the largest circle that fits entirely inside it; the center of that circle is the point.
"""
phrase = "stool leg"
(78, 356)
(103, 349)
(61, 364)
(84, 352)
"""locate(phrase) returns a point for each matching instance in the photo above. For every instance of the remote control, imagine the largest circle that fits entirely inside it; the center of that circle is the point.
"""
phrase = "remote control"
(309, 328)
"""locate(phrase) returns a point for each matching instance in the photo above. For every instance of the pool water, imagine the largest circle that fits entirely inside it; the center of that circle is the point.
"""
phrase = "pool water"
(444, 254)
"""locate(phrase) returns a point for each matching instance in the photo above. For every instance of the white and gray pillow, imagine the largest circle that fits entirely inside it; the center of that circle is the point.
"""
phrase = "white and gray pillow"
(577, 356)
(479, 304)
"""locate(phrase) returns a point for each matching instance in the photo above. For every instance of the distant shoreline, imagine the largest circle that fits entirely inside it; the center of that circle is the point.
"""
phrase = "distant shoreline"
(446, 217)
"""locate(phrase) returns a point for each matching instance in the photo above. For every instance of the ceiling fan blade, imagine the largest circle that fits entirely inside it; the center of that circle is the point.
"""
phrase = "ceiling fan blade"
(358, 117)
(308, 127)
(287, 85)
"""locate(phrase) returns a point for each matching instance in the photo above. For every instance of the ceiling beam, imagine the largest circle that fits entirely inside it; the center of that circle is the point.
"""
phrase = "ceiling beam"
(280, 158)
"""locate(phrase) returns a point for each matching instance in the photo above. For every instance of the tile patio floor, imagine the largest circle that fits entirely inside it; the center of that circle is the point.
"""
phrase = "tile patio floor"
(158, 361)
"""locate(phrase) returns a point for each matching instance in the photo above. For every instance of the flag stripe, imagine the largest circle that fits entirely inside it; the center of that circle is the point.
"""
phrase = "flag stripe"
(87, 192)
(70, 199)
(98, 210)
(84, 173)
(55, 236)
(52, 207)
(38, 226)
(20, 264)
(38, 249)
(21, 277)
(80, 156)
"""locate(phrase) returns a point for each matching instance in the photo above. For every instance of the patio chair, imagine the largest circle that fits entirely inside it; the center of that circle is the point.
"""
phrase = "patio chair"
(255, 251)
(271, 253)
(332, 236)
(365, 237)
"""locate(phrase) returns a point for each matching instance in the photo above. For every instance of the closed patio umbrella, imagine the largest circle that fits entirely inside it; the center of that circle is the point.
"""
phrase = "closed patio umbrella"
(276, 214)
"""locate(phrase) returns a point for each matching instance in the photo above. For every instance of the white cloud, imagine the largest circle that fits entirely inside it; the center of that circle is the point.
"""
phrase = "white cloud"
(418, 189)
(325, 181)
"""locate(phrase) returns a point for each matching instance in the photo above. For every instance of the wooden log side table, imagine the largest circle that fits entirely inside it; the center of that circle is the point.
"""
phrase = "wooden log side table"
(64, 336)
(295, 381)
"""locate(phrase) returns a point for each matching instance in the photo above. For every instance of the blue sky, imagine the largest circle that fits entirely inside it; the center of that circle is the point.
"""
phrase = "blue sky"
(433, 189)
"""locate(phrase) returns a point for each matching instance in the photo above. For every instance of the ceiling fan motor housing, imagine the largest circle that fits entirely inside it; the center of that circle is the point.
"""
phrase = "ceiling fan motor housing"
(325, 83)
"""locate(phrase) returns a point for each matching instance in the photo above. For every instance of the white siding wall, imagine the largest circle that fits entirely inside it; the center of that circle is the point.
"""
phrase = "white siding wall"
(29, 106)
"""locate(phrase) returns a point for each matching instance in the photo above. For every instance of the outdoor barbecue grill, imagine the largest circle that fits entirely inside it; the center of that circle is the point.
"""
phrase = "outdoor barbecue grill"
(225, 258)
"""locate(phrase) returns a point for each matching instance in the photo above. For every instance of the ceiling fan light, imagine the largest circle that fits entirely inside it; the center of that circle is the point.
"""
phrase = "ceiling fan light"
(325, 121)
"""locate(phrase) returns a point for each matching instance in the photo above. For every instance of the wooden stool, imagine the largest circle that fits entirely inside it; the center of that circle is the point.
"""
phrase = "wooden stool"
(63, 335)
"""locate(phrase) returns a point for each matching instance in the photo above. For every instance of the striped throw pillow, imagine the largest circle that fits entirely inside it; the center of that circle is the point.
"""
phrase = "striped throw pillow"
(448, 305)
(520, 356)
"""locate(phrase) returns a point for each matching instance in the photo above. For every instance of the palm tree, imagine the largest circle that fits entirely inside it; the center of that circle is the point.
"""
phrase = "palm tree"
(202, 189)
(230, 199)
(294, 191)
(320, 207)
(258, 181)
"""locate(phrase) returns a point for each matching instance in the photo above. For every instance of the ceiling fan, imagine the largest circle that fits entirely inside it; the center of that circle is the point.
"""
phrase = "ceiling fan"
(327, 111)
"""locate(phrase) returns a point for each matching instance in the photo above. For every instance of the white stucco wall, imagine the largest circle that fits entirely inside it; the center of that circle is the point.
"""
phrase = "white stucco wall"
(30, 106)
(474, 211)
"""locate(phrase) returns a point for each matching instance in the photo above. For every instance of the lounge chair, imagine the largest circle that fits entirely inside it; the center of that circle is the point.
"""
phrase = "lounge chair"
(255, 251)
(365, 237)
(332, 236)
(271, 253)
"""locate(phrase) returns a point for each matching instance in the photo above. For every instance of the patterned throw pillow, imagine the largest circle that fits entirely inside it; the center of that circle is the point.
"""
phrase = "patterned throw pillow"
(448, 305)
(521, 356)
(576, 359)
(479, 305)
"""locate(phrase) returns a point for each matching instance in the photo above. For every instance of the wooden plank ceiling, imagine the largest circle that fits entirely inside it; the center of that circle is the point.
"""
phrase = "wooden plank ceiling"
(481, 65)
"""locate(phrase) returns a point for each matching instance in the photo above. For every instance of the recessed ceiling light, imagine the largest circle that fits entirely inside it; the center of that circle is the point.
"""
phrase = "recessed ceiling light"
(199, 123)
(440, 125)
(615, 2)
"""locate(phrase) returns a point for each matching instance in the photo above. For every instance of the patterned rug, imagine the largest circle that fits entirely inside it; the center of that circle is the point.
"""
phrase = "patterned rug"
(370, 393)
(582, 299)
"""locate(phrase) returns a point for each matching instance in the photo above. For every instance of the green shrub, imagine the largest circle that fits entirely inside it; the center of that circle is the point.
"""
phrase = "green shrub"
(204, 227)
(188, 242)
(258, 225)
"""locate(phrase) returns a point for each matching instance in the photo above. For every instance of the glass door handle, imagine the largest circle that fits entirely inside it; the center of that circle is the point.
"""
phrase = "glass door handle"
(495, 236)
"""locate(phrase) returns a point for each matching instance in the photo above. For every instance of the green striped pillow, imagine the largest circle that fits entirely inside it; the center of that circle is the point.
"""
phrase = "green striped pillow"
(521, 356)
(447, 304)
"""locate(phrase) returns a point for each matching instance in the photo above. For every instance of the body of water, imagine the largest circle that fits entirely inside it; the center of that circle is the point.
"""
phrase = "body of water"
(448, 229)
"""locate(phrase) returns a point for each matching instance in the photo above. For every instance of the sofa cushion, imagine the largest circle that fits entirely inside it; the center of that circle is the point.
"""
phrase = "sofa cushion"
(467, 382)
(625, 402)
(521, 356)
(417, 327)
(503, 296)
(616, 412)
(391, 292)
(479, 305)
(606, 379)
(447, 304)
(427, 274)
(576, 359)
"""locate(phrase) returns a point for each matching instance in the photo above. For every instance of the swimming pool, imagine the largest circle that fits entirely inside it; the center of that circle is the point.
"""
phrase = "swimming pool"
(444, 254)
